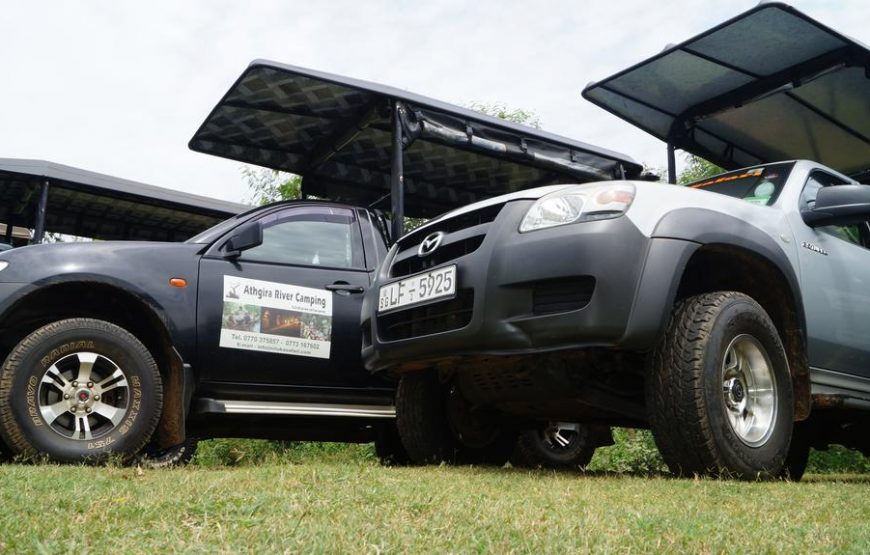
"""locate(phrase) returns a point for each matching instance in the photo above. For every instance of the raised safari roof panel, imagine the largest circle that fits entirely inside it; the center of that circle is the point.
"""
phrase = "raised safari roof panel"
(90, 204)
(336, 132)
(770, 84)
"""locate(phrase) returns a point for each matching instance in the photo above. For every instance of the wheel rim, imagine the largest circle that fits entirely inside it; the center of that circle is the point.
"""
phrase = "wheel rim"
(561, 436)
(83, 396)
(749, 390)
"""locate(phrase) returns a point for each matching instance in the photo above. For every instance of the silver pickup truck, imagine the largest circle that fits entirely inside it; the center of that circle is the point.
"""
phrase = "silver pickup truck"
(718, 314)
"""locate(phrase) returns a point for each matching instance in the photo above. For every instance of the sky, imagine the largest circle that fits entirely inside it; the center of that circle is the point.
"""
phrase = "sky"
(119, 87)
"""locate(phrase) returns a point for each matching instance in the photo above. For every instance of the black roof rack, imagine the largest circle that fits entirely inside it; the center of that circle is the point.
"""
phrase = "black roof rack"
(365, 143)
(90, 204)
(770, 84)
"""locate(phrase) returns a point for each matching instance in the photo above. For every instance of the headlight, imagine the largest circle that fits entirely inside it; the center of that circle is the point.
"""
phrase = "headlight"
(581, 203)
(3, 265)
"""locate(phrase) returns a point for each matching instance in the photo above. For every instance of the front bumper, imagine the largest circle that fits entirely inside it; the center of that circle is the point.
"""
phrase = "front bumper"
(565, 287)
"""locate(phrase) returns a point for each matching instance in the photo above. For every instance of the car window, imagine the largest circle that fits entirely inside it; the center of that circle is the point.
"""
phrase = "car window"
(327, 237)
(857, 234)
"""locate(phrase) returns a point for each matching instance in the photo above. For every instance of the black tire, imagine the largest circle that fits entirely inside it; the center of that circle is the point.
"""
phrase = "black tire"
(389, 448)
(61, 353)
(421, 418)
(538, 449)
(689, 406)
(431, 434)
(496, 453)
(169, 457)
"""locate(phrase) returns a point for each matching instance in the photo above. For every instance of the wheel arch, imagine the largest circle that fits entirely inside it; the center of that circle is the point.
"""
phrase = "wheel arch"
(117, 304)
(734, 255)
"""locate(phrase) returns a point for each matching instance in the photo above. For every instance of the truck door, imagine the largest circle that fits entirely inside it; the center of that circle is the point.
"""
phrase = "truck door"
(286, 312)
(835, 277)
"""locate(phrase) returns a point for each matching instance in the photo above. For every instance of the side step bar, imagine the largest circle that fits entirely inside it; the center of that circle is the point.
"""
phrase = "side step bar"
(295, 409)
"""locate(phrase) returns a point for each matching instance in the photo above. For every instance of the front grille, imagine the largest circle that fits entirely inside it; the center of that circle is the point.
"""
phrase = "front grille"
(407, 262)
(432, 318)
(414, 264)
(562, 295)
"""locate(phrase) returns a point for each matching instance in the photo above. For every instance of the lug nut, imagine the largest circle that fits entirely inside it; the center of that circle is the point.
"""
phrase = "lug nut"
(96, 397)
(73, 409)
(87, 409)
(66, 395)
(75, 384)
(90, 384)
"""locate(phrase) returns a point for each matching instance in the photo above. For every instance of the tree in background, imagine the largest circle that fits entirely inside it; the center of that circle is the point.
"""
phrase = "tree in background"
(502, 111)
(266, 185)
(696, 169)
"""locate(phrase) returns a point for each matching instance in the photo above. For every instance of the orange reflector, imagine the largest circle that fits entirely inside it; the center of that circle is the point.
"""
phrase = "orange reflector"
(178, 282)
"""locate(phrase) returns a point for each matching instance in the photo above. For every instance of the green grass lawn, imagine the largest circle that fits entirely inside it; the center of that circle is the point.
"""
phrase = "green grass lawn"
(343, 501)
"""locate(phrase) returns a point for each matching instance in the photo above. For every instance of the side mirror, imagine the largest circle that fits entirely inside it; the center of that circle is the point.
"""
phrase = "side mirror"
(244, 237)
(839, 205)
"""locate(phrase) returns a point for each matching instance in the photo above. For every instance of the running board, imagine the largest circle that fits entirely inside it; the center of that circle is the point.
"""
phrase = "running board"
(295, 409)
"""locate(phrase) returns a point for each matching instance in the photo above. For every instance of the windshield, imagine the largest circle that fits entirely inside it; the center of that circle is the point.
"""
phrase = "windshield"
(759, 185)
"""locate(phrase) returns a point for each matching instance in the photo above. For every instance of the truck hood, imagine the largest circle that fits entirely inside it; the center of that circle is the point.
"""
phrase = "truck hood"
(528, 194)
(652, 202)
(109, 260)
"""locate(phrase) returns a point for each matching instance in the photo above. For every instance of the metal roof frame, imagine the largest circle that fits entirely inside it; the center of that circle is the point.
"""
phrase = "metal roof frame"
(46, 196)
(720, 83)
(362, 142)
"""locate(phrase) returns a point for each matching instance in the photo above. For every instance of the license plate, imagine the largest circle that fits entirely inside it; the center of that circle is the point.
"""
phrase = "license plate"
(421, 288)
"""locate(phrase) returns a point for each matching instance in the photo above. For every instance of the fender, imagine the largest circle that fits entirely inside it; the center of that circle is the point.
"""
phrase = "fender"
(700, 227)
(676, 237)
(171, 327)
(707, 227)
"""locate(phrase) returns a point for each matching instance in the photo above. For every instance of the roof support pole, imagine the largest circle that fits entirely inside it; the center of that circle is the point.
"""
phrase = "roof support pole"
(39, 228)
(397, 175)
(672, 164)
(7, 238)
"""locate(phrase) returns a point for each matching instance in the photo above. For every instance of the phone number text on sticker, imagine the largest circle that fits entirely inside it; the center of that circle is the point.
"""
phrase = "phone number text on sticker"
(424, 287)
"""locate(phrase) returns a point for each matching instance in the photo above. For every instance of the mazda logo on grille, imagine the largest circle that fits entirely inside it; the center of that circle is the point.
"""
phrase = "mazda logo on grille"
(430, 243)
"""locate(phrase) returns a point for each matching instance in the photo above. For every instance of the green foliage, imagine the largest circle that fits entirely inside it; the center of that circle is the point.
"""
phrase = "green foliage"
(634, 451)
(266, 185)
(837, 460)
(502, 111)
(697, 168)
(253, 452)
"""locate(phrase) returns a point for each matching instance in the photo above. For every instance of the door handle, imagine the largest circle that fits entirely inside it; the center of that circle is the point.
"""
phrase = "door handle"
(345, 288)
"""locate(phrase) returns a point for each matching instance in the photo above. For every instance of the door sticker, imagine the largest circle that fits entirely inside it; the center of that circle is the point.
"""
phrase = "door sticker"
(276, 318)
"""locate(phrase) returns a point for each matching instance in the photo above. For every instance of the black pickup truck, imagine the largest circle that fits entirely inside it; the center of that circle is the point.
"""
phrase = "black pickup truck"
(252, 328)
(99, 338)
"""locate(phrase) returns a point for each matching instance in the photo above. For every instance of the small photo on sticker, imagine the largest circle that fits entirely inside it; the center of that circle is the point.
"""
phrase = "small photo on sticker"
(286, 323)
(316, 327)
(241, 317)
